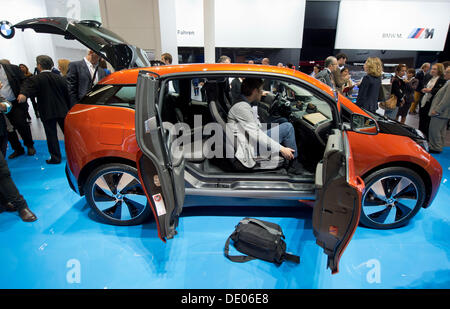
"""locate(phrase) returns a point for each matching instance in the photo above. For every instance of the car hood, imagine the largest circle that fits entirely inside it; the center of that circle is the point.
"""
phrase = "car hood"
(389, 126)
(91, 34)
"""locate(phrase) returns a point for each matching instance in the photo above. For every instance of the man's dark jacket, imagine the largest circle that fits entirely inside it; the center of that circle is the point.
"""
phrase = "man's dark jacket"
(79, 80)
(51, 92)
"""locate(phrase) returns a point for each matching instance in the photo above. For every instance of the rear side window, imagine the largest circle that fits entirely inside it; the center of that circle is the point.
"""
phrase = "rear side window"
(111, 95)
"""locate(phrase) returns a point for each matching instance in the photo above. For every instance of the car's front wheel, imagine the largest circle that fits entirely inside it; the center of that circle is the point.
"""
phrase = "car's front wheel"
(392, 196)
(115, 194)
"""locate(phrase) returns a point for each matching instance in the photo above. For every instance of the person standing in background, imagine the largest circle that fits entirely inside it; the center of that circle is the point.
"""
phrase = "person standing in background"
(338, 79)
(410, 86)
(398, 89)
(326, 75)
(12, 78)
(423, 76)
(432, 87)
(82, 75)
(5, 107)
(316, 69)
(28, 74)
(53, 102)
(440, 114)
(369, 88)
(63, 67)
(166, 58)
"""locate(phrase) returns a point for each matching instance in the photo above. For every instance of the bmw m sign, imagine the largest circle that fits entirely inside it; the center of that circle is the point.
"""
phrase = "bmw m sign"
(421, 33)
(6, 29)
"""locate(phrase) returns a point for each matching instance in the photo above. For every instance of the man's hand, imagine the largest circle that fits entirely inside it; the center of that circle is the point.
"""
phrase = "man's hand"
(1, 85)
(287, 153)
(21, 98)
(3, 107)
(434, 113)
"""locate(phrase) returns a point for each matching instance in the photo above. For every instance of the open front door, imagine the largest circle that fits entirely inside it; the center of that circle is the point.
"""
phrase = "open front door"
(338, 199)
(160, 168)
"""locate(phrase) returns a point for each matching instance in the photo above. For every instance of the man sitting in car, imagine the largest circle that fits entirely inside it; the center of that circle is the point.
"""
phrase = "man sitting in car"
(243, 120)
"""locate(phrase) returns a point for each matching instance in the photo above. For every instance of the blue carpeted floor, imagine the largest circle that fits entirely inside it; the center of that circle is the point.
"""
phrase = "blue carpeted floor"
(68, 248)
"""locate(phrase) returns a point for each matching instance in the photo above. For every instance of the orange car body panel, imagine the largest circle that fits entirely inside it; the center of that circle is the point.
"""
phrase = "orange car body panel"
(94, 131)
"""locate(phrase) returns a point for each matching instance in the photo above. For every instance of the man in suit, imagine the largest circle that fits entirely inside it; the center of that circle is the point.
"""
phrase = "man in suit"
(53, 102)
(440, 114)
(12, 78)
(82, 75)
(326, 75)
(5, 107)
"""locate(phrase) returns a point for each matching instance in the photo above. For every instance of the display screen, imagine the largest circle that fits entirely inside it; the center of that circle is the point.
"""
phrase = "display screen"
(243, 23)
(393, 25)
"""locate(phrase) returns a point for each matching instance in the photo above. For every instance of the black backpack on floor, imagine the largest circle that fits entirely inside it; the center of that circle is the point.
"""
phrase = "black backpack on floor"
(259, 240)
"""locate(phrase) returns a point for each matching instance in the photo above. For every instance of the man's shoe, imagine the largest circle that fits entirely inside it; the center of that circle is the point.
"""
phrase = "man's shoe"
(27, 215)
(53, 161)
(16, 153)
(31, 151)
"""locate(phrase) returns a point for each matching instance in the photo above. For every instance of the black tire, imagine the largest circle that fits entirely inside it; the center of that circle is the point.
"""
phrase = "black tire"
(109, 203)
(392, 197)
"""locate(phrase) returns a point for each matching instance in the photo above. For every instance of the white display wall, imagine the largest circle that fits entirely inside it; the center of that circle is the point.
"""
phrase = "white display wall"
(243, 23)
(26, 45)
(393, 25)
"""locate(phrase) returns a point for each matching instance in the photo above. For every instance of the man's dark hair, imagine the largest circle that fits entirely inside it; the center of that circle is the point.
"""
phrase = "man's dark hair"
(167, 56)
(446, 64)
(341, 55)
(45, 61)
(290, 65)
(249, 84)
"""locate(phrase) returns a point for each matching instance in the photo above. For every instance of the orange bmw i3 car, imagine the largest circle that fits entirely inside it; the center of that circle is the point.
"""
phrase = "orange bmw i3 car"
(359, 167)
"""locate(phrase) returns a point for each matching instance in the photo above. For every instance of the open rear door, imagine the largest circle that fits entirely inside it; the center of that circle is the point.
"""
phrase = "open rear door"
(91, 34)
(338, 199)
(160, 168)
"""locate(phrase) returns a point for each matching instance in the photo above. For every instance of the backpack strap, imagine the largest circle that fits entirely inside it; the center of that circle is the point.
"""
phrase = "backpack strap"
(269, 229)
(236, 258)
(292, 258)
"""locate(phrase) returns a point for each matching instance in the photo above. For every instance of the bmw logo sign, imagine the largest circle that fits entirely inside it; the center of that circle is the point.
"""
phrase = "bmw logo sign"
(6, 29)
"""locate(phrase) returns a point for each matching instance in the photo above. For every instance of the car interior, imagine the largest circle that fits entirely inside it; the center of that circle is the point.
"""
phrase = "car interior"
(184, 101)
(201, 100)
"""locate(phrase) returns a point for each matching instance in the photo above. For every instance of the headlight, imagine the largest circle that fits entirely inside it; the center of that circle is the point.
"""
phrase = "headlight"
(420, 133)
(423, 143)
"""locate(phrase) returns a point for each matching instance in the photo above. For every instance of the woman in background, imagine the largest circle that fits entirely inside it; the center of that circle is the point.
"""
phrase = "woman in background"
(410, 85)
(369, 88)
(432, 87)
(397, 89)
(63, 67)
(348, 85)
(26, 72)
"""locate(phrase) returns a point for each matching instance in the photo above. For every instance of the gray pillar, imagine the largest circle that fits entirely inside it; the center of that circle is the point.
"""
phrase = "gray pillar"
(209, 31)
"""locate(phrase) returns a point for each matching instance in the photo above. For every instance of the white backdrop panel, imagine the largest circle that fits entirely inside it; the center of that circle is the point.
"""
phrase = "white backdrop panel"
(391, 25)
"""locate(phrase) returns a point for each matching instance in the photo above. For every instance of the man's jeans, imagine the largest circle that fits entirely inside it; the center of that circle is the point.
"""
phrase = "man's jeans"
(286, 136)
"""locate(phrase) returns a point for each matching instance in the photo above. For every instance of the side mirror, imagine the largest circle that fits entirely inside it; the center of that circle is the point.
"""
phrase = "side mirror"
(364, 124)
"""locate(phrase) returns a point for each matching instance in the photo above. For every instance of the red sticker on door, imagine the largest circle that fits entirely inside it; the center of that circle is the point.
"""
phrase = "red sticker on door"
(159, 203)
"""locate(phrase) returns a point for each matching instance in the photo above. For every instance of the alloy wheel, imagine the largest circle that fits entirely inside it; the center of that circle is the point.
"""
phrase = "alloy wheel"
(119, 195)
(390, 199)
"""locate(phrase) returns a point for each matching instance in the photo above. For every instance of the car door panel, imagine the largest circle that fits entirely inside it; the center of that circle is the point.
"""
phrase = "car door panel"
(160, 169)
(338, 199)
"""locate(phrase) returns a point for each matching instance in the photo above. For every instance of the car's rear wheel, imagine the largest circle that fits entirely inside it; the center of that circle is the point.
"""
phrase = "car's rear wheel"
(391, 198)
(115, 194)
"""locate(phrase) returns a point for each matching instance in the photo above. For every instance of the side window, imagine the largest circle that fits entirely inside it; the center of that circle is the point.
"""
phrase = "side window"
(113, 95)
(125, 96)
